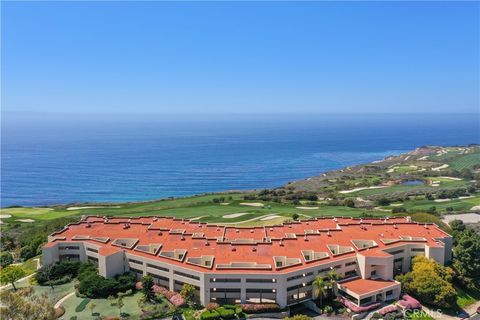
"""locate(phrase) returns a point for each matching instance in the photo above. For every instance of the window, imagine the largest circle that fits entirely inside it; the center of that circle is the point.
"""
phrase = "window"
(398, 260)
(373, 273)
(156, 276)
(350, 273)
(279, 264)
(261, 280)
(338, 266)
(69, 257)
(389, 293)
(225, 280)
(324, 270)
(418, 249)
(397, 252)
(191, 276)
(352, 263)
(135, 261)
(156, 267)
(92, 250)
(69, 248)
(140, 272)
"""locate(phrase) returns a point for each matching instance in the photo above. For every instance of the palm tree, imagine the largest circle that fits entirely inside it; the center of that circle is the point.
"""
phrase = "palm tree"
(319, 288)
(332, 277)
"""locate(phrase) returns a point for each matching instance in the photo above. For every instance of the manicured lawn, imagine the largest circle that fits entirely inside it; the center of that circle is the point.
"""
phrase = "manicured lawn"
(103, 307)
(465, 161)
(30, 266)
(443, 183)
(424, 204)
(54, 294)
(201, 207)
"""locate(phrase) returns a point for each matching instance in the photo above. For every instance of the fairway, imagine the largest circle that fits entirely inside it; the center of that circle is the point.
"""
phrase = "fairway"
(205, 208)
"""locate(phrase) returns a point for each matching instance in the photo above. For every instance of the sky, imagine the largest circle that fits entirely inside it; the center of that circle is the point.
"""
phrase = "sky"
(240, 57)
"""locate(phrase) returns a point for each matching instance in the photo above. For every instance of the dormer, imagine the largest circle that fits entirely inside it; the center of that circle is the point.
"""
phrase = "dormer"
(310, 255)
(127, 243)
(336, 249)
(364, 244)
(177, 254)
(202, 261)
(284, 262)
(153, 248)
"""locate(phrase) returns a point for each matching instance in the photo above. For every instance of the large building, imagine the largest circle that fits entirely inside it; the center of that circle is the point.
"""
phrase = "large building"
(258, 264)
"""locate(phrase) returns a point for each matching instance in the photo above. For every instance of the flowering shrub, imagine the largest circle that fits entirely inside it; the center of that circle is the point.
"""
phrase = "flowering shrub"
(410, 303)
(176, 299)
(212, 306)
(260, 307)
(387, 309)
(350, 305)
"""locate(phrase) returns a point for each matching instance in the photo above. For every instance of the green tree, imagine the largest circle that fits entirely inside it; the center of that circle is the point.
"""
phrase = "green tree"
(6, 259)
(188, 292)
(11, 274)
(430, 282)
(320, 288)
(332, 278)
(295, 216)
(147, 288)
(467, 258)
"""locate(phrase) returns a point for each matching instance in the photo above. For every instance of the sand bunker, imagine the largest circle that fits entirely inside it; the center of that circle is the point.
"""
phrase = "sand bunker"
(451, 178)
(476, 208)
(270, 218)
(252, 204)
(197, 218)
(5, 216)
(234, 215)
(440, 168)
(225, 203)
(26, 220)
(306, 208)
(465, 217)
(92, 207)
(363, 188)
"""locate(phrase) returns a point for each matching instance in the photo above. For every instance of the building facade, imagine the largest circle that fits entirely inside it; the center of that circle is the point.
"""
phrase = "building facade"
(258, 264)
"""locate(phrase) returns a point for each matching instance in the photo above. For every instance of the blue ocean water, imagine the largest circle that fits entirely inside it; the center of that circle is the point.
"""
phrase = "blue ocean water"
(53, 159)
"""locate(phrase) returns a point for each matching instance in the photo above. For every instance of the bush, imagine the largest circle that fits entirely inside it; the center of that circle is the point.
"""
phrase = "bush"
(93, 285)
(260, 307)
(6, 259)
(327, 309)
(53, 274)
(210, 315)
(226, 313)
(81, 306)
(212, 306)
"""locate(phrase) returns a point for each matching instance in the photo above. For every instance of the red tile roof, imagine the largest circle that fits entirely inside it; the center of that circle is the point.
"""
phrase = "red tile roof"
(230, 244)
(364, 286)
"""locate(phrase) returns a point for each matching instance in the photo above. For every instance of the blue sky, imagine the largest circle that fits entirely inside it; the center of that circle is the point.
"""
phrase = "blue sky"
(250, 57)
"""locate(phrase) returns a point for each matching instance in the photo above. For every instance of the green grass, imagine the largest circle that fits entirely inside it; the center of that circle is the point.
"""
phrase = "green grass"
(465, 298)
(200, 207)
(443, 184)
(424, 204)
(465, 161)
(30, 266)
(103, 307)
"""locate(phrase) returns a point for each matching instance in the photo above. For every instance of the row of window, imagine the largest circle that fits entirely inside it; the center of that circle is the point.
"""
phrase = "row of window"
(298, 276)
(69, 248)
(186, 275)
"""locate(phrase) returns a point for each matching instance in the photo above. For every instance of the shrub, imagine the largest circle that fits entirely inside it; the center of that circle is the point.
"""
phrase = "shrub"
(226, 313)
(210, 315)
(6, 259)
(52, 274)
(327, 309)
(350, 305)
(212, 306)
(260, 307)
(81, 306)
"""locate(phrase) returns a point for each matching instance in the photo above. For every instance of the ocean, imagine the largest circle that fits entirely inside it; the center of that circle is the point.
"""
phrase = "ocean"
(58, 159)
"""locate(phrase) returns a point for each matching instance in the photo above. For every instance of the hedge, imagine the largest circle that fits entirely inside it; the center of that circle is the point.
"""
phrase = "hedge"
(260, 307)
(210, 315)
(81, 306)
(226, 313)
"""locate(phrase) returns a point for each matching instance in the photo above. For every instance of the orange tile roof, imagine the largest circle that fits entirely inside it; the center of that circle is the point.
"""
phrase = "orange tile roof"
(228, 244)
(364, 286)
